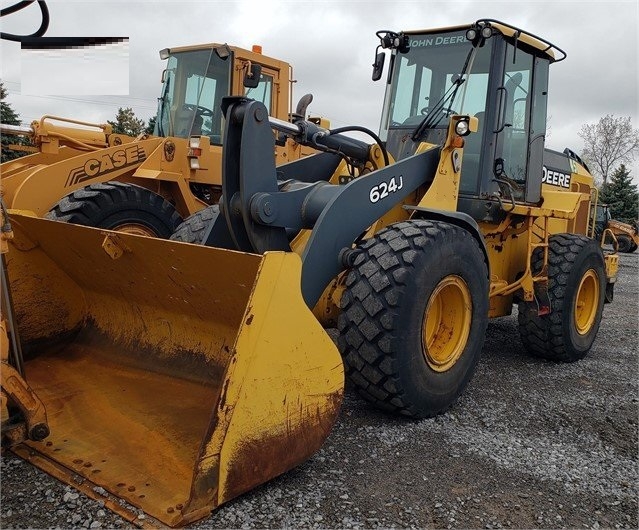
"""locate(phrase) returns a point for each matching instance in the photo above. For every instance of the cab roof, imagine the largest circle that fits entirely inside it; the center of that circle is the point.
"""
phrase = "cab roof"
(552, 52)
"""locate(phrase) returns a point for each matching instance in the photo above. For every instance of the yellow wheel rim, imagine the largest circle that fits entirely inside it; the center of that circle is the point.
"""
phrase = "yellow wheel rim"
(446, 323)
(587, 302)
(136, 229)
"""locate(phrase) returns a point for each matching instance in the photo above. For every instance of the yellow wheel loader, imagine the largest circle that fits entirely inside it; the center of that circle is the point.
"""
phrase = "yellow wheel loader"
(83, 173)
(625, 235)
(176, 376)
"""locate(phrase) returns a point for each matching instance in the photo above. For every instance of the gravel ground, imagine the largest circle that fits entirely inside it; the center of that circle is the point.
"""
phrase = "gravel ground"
(531, 444)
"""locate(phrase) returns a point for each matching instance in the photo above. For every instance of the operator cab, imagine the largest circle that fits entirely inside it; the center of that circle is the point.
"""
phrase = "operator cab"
(489, 70)
(194, 83)
(602, 217)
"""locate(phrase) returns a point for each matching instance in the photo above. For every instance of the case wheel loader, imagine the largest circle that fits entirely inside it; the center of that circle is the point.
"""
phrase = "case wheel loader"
(209, 363)
(606, 228)
(85, 174)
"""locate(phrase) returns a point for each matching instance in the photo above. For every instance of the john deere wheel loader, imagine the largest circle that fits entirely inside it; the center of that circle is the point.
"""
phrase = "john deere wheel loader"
(83, 173)
(176, 376)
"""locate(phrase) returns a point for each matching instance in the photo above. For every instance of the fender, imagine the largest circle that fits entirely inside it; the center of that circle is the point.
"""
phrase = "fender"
(460, 219)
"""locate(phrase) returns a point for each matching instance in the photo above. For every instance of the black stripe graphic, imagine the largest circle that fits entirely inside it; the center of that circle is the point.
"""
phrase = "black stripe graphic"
(57, 43)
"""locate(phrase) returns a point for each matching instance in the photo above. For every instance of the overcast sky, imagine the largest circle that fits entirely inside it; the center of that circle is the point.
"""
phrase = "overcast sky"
(331, 46)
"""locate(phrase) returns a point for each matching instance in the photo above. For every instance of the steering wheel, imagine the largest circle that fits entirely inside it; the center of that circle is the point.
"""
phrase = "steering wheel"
(197, 109)
(447, 111)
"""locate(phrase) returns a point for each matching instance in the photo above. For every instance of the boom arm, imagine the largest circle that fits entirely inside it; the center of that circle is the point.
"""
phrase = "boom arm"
(48, 136)
(256, 209)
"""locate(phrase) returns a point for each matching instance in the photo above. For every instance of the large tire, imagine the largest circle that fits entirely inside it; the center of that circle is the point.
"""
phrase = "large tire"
(624, 244)
(194, 227)
(397, 351)
(576, 288)
(118, 206)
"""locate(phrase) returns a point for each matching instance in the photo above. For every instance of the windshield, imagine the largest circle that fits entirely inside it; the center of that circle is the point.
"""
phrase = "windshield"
(603, 214)
(194, 84)
(426, 81)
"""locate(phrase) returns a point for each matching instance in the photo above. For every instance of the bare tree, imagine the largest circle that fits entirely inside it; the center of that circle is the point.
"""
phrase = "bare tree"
(609, 142)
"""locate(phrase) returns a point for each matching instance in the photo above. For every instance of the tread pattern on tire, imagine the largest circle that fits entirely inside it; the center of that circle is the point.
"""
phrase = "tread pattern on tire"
(90, 205)
(369, 307)
(193, 228)
(543, 336)
(625, 244)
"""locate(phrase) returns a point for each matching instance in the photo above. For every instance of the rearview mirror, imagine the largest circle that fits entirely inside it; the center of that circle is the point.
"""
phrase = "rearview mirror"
(252, 76)
(378, 66)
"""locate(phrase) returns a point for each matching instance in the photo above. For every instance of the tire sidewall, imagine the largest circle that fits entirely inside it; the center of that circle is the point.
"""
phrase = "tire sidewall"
(624, 244)
(146, 212)
(116, 219)
(451, 258)
(589, 258)
(113, 204)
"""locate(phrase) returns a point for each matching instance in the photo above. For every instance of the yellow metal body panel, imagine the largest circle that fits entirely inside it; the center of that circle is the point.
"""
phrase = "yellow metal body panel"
(444, 192)
(37, 186)
(168, 370)
(507, 254)
(611, 261)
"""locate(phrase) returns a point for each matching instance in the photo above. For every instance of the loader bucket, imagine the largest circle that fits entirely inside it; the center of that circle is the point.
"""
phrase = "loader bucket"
(175, 376)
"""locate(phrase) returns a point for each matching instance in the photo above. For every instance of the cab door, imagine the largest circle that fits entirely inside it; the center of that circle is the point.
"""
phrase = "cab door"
(265, 90)
(521, 125)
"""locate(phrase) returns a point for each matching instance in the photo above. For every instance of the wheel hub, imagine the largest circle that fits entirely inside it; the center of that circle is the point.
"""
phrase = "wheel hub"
(446, 324)
(587, 302)
(135, 229)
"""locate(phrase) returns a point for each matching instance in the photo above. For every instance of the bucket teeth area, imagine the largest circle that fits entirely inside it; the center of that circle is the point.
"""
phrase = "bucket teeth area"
(175, 377)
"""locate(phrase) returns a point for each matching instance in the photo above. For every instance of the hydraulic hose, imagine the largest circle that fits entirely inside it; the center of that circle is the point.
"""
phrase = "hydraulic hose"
(358, 128)
(44, 25)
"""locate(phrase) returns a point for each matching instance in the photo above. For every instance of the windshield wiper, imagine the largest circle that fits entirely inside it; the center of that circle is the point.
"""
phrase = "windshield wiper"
(431, 120)
(435, 116)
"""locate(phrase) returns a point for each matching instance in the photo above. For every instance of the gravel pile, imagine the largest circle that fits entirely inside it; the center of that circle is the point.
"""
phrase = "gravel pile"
(529, 444)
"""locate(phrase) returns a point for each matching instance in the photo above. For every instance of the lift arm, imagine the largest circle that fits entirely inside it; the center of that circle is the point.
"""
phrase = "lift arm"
(256, 208)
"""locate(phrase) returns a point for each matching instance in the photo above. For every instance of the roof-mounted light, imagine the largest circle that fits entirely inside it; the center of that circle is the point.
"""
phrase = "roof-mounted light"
(391, 40)
(479, 32)
(223, 52)
(164, 54)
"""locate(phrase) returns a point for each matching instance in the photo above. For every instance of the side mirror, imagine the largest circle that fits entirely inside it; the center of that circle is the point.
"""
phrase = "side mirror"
(378, 66)
(252, 76)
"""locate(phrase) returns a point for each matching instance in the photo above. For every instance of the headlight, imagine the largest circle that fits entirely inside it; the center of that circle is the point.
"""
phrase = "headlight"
(471, 34)
(462, 128)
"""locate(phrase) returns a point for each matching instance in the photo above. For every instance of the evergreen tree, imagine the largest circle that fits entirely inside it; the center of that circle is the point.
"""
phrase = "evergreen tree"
(10, 117)
(151, 126)
(621, 195)
(126, 122)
